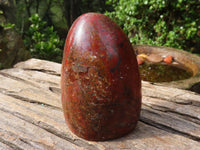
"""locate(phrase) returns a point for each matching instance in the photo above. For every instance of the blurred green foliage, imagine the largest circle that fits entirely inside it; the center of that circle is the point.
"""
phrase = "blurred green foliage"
(7, 25)
(159, 22)
(44, 24)
(42, 41)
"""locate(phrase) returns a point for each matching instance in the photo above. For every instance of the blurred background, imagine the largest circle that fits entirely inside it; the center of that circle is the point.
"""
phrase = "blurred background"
(38, 28)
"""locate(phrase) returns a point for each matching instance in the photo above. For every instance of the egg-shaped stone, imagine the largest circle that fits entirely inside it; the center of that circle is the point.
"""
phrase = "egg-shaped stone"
(100, 81)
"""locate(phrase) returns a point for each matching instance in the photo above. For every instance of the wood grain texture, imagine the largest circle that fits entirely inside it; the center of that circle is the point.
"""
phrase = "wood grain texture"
(32, 118)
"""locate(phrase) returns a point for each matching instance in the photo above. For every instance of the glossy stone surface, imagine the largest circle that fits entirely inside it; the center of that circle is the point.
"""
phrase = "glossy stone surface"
(101, 86)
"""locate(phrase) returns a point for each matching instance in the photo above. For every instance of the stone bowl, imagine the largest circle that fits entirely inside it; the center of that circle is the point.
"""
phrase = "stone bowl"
(184, 59)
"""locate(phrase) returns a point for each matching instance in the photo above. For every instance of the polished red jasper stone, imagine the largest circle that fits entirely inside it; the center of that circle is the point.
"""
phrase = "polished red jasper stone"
(101, 86)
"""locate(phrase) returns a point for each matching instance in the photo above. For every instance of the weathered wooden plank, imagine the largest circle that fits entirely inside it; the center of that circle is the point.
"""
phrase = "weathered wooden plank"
(30, 95)
(166, 106)
(40, 113)
(171, 122)
(25, 135)
(179, 108)
(28, 92)
(147, 137)
(170, 94)
(53, 121)
(4, 146)
(152, 90)
(33, 77)
(40, 65)
(24, 123)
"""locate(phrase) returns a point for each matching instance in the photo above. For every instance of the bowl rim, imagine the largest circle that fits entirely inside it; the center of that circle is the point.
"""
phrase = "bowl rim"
(189, 60)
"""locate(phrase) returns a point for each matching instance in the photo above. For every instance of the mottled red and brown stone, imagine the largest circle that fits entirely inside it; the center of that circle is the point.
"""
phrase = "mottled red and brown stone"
(101, 86)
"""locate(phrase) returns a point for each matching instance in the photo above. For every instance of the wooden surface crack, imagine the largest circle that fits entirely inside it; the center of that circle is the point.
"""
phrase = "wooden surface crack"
(169, 121)
(52, 130)
(18, 79)
(55, 90)
(44, 71)
(32, 118)
(32, 101)
(179, 101)
(9, 144)
(166, 109)
(168, 129)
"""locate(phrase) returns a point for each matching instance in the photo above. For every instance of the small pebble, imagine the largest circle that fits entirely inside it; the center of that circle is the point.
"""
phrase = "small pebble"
(168, 59)
(139, 60)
